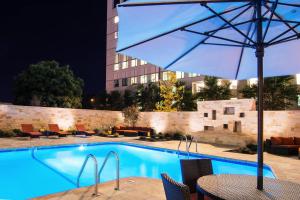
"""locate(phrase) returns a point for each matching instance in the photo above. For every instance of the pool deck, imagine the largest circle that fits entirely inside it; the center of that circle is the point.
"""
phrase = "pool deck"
(285, 168)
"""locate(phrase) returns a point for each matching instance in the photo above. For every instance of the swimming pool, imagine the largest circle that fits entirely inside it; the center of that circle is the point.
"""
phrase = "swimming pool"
(55, 169)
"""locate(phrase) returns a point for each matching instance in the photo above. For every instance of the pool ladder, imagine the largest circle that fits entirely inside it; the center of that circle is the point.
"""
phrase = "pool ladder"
(187, 144)
(98, 174)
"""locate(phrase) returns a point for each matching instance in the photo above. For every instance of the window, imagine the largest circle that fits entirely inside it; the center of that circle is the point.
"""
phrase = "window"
(298, 79)
(198, 86)
(125, 62)
(229, 111)
(134, 63)
(143, 79)
(299, 100)
(116, 19)
(143, 62)
(233, 85)
(191, 75)
(220, 81)
(165, 76)
(124, 81)
(179, 75)
(133, 80)
(116, 67)
(117, 58)
(252, 81)
(154, 77)
(116, 83)
(116, 35)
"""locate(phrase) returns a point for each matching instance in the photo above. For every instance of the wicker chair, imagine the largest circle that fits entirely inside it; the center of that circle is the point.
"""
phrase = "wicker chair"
(175, 190)
(193, 169)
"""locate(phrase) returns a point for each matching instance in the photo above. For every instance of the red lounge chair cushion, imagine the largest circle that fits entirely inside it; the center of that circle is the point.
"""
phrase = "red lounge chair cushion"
(54, 127)
(276, 140)
(27, 128)
(287, 140)
(80, 127)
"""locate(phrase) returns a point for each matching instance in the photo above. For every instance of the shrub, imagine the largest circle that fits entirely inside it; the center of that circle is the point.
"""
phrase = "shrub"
(7, 134)
(131, 115)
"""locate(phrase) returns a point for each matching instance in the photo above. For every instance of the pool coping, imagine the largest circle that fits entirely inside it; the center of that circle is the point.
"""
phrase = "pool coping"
(172, 151)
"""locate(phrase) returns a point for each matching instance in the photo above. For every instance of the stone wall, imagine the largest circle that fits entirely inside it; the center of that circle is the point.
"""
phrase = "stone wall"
(242, 122)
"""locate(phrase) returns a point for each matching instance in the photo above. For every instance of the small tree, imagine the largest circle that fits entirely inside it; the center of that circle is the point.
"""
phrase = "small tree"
(131, 115)
(170, 94)
(147, 96)
(213, 91)
(115, 100)
(279, 92)
(129, 98)
(48, 84)
(188, 100)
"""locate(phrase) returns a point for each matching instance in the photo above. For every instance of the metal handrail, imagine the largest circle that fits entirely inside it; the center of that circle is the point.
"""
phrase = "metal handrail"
(186, 144)
(193, 139)
(33, 150)
(117, 168)
(96, 170)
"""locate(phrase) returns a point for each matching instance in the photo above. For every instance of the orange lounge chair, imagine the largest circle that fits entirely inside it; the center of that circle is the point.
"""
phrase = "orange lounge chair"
(54, 128)
(81, 129)
(27, 129)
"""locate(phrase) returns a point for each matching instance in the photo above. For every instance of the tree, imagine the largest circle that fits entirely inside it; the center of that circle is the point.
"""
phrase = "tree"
(188, 100)
(131, 115)
(129, 98)
(115, 100)
(213, 91)
(147, 96)
(280, 93)
(170, 94)
(48, 84)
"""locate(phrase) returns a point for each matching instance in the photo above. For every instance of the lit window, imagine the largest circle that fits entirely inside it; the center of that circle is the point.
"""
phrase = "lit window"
(143, 79)
(165, 76)
(179, 75)
(116, 67)
(198, 86)
(154, 77)
(116, 19)
(133, 80)
(117, 58)
(116, 35)
(134, 63)
(233, 85)
(298, 79)
(252, 81)
(192, 75)
(143, 62)
(298, 100)
(125, 62)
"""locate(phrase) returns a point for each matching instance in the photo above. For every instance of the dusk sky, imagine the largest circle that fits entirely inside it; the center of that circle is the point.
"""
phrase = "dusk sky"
(69, 31)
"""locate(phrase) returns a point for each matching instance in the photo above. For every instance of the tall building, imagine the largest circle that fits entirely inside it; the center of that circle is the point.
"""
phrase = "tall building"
(122, 72)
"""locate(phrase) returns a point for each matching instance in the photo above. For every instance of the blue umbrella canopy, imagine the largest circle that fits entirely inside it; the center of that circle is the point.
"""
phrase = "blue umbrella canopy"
(216, 38)
(233, 39)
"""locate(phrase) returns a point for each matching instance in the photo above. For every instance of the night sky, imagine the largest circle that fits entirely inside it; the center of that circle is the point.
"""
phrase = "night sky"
(69, 31)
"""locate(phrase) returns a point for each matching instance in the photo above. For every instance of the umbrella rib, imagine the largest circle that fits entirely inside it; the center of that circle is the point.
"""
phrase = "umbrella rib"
(228, 45)
(282, 19)
(254, 31)
(270, 20)
(243, 48)
(237, 24)
(177, 29)
(285, 4)
(287, 39)
(204, 40)
(229, 23)
(281, 34)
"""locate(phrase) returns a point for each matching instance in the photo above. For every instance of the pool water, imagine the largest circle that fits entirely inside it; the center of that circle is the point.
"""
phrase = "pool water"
(55, 169)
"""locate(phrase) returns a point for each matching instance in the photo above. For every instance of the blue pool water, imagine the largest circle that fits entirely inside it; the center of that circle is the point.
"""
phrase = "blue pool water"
(55, 169)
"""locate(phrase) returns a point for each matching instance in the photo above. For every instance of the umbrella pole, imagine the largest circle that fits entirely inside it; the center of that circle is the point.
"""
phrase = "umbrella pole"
(260, 55)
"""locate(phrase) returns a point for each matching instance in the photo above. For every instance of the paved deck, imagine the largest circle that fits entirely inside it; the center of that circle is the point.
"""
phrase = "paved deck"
(286, 168)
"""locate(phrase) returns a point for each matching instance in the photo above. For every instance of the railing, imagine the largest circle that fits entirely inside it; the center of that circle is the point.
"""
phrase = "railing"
(187, 144)
(96, 171)
(117, 168)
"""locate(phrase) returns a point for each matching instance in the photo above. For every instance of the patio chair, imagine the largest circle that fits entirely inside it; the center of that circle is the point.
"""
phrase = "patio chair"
(192, 170)
(175, 190)
(28, 130)
(82, 130)
(54, 128)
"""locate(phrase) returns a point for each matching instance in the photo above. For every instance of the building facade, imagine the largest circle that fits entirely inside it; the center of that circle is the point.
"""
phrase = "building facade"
(123, 72)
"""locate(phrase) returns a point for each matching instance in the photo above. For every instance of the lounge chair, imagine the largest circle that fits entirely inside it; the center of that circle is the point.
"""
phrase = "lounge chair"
(28, 130)
(54, 128)
(82, 130)
(192, 170)
(175, 190)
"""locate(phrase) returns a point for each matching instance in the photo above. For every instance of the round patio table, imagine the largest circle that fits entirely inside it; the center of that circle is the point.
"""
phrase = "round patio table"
(240, 187)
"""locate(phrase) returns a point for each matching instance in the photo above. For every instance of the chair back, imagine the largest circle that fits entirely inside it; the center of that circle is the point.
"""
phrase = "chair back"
(53, 127)
(175, 190)
(27, 128)
(80, 127)
(193, 169)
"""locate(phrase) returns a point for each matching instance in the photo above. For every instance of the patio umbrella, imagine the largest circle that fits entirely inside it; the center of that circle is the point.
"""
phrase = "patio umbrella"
(233, 39)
